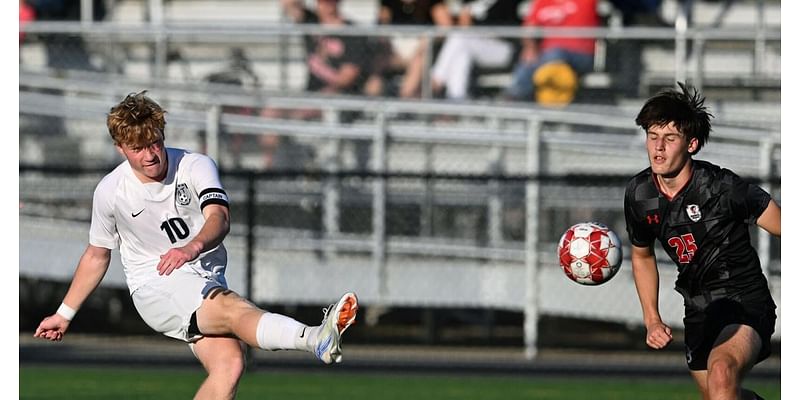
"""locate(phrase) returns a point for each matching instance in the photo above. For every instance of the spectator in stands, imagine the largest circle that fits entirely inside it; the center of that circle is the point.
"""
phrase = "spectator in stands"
(551, 66)
(238, 72)
(63, 51)
(624, 56)
(336, 64)
(408, 54)
(462, 52)
(66, 51)
(26, 14)
(641, 12)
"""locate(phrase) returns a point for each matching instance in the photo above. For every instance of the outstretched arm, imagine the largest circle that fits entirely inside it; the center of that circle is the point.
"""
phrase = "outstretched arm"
(212, 233)
(91, 270)
(645, 275)
(770, 219)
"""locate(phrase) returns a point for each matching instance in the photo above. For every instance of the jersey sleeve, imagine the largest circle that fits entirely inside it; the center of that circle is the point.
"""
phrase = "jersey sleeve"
(103, 229)
(748, 201)
(205, 179)
(638, 234)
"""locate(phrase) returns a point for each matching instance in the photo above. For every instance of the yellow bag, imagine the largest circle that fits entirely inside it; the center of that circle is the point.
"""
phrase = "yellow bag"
(555, 83)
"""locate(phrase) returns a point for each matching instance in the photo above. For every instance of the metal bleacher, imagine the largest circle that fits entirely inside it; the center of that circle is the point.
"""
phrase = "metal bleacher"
(171, 47)
(732, 50)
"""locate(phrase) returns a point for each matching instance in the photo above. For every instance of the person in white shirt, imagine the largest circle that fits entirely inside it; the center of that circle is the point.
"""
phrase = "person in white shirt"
(168, 213)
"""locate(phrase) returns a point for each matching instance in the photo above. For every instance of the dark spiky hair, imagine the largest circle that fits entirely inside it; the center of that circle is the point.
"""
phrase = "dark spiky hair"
(684, 108)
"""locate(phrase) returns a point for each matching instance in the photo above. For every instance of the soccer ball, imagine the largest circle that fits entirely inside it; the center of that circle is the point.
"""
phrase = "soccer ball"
(589, 253)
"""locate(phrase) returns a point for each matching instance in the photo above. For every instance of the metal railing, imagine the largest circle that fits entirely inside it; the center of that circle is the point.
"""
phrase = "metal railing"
(533, 135)
(163, 36)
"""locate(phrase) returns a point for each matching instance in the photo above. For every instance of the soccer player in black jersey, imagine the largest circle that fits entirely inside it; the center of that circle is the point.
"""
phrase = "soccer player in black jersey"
(701, 214)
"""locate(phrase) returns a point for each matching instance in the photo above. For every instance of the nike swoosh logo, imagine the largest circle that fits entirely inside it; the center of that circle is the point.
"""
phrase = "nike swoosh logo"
(303, 334)
(137, 214)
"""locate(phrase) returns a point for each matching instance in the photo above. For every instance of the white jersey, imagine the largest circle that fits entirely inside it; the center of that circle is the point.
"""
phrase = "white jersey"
(147, 219)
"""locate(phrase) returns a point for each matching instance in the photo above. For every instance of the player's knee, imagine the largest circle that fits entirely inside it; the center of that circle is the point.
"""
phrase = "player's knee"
(229, 369)
(237, 366)
(722, 372)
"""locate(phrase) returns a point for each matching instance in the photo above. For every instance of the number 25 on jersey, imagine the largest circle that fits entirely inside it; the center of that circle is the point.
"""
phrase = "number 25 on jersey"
(684, 246)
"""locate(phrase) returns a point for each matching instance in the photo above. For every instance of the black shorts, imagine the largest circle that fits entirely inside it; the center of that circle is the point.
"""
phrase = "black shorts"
(703, 327)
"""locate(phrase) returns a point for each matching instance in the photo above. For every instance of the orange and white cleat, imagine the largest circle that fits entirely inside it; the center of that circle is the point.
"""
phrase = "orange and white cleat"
(337, 318)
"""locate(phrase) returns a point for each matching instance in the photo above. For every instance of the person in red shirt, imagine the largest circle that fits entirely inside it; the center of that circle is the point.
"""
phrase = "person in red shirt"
(26, 14)
(577, 52)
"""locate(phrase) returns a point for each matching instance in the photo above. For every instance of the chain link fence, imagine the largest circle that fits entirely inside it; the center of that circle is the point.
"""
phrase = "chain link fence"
(444, 272)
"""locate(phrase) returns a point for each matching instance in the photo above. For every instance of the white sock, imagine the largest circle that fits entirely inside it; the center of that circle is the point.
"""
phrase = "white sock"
(279, 332)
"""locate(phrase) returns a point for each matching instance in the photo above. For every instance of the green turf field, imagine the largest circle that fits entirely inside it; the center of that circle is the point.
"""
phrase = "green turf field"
(77, 382)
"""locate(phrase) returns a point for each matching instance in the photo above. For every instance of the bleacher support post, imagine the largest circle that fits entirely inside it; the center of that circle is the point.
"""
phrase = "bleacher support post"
(532, 239)
(379, 206)
(330, 188)
(212, 132)
(495, 207)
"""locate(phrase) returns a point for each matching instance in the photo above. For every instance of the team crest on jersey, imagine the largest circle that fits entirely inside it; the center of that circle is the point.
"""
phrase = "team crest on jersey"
(182, 194)
(693, 211)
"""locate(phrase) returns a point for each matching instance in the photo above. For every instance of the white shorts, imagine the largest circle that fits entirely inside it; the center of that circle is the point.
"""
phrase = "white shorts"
(166, 304)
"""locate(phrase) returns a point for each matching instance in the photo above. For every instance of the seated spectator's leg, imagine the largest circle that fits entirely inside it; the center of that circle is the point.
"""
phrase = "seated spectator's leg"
(412, 78)
(461, 52)
(450, 56)
(582, 63)
(521, 88)
(490, 52)
(485, 52)
(385, 62)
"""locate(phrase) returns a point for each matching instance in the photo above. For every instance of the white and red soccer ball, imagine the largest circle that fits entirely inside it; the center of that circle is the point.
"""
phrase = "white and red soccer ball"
(589, 253)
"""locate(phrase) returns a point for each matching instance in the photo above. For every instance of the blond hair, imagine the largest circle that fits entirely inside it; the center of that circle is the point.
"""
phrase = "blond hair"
(136, 121)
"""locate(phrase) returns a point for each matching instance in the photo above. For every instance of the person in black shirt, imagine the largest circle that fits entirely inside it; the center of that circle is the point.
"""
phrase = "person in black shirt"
(336, 64)
(701, 214)
(406, 54)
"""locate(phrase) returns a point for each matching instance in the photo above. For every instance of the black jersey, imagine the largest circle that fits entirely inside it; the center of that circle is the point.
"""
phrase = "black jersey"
(705, 230)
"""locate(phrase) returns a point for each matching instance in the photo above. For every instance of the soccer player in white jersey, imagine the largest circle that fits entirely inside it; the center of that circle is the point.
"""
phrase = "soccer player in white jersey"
(166, 210)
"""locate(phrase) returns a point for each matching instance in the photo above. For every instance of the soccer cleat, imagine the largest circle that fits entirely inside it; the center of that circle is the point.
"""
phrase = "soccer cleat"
(337, 318)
